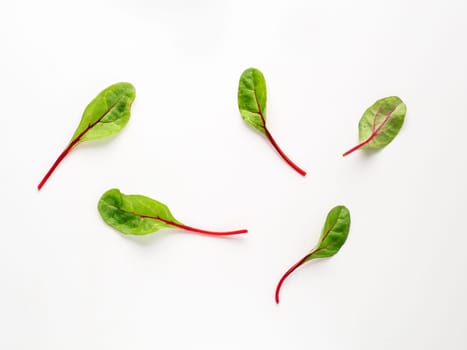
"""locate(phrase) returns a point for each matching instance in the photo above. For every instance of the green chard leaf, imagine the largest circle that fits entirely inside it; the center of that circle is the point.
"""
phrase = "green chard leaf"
(140, 215)
(252, 98)
(380, 124)
(106, 115)
(333, 236)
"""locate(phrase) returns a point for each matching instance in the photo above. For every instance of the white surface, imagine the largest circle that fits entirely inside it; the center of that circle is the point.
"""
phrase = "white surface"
(68, 281)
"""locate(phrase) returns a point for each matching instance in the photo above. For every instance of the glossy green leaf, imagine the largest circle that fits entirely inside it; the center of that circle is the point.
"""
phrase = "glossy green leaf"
(252, 98)
(333, 236)
(140, 215)
(106, 115)
(133, 214)
(380, 123)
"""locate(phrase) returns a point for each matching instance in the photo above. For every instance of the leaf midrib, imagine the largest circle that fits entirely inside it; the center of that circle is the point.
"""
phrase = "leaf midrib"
(375, 132)
(142, 216)
(326, 234)
(90, 126)
(260, 112)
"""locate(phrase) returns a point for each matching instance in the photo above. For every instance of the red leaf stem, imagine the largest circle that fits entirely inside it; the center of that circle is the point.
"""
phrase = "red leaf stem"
(193, 229)
(58, 161)
(287, 274)
(282, 154)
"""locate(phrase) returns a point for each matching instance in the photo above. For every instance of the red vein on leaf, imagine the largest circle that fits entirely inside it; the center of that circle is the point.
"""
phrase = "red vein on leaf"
(181, 226)
(374, 119)
(72, 144)
(328, 231)
(289, 271)
(274, 143)
(372, 135)
(193, 229)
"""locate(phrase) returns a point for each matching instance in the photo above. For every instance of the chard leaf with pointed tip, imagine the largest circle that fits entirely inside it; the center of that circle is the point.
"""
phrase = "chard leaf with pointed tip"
(333, 236)
(106, 115)
(252, 98)
(140, 215)
(380, 124)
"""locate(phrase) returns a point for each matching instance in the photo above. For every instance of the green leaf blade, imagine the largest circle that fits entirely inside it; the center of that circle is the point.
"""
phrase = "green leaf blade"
(107, 113)
(333, 236)
(252, 97)
(380, 124)
(104, 116)
(133, 214)
(334, 233)
(388, 115)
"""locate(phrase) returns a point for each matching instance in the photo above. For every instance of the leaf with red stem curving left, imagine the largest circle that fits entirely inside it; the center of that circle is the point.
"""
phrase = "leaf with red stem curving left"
(380, 124)
(104, 116)
(334, 234)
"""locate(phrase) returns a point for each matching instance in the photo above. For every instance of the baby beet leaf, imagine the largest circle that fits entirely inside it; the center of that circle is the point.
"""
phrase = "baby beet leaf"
(252, 104)
(106, 115)
(139, 215)
(380, 123)
(333, 236)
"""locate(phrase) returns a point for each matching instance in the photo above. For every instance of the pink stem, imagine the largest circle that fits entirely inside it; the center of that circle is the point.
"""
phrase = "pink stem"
(289, 271)
(72, 144)
(283, 155)
(65, 152)
(197, 230)
(360, 145)
(57, 162)
(216, 233)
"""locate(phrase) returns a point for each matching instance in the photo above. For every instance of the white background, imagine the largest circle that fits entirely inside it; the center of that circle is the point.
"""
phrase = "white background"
(68, 281)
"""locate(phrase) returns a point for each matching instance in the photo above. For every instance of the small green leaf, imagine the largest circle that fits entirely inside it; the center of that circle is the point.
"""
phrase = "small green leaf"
(380, 123)
(106, 115)
(252, 98)
(333, 236)
(134, 214)
(140, 215)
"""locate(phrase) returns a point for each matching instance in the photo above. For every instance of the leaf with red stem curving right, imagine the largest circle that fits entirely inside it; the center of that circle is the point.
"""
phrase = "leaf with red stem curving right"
(134, 214)
(252, 98)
